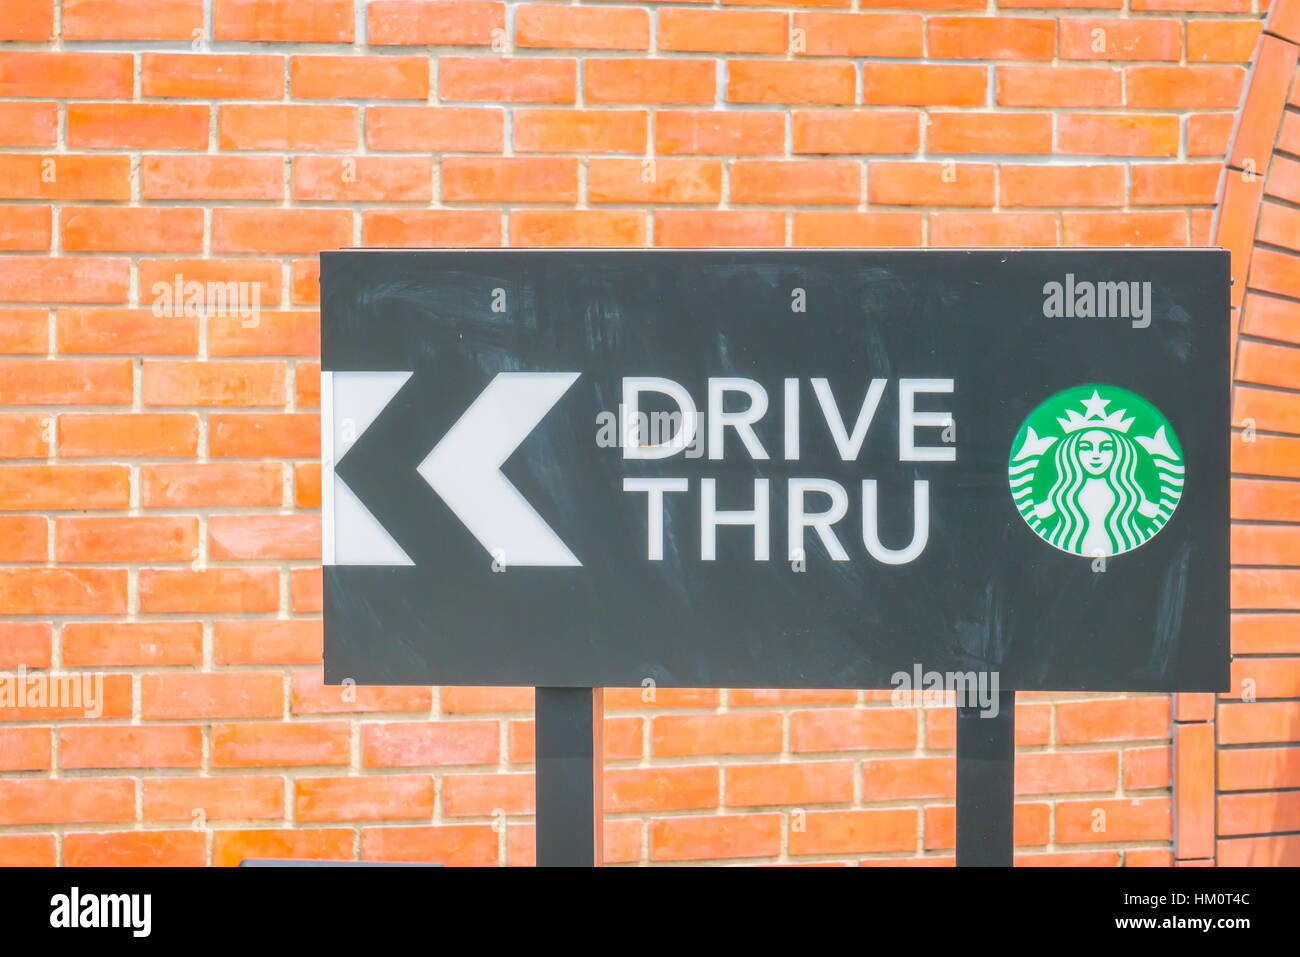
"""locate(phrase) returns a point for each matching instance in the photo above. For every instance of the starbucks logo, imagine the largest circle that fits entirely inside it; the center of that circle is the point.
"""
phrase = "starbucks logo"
(1096, 471)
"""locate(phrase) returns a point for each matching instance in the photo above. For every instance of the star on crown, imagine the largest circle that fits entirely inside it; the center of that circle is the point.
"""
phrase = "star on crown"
(1095, 416)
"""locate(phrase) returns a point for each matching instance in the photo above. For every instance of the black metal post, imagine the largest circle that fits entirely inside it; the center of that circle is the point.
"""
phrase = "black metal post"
(569, 776)
(986, 765)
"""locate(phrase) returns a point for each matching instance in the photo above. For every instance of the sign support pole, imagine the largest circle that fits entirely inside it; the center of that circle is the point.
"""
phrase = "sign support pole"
(570, 773)
(986, 767)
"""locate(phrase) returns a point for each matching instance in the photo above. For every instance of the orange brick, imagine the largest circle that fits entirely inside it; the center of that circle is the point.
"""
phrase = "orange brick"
(227, 797)
(707, 132)
(845, 229)
(23, 538)
(1055, 185)
(577, 227)
(435, 128)
(237, 230)
(219, 383)
(25, 749)
(1059, 86)
(580, 131)
(935, 184)
(719, 228)
(306, 744)
(869, 729)
(210, 484)
(103, 538)
(287, 21)
(661, 789)
(359, 77)
(102, 643)
(723, 31)
(1194, 87)
(431, 227)
(26, 643)
(556, 27)
(1155, 228)
(178, 848)
(1113, 39)
(169, 746)
(776, 81)
(263, 537)
(616, 80)
(861, 34)
(992, 38)
(27, 487)
(64, 73)
(239, 76)
(363, 178)
(296, 126)
(715, 837)
(1117, 134)
(612, 180)
(66, 800)
(213, 589)
(1120, 719)
(549, 80)
(236, 694)
(430, 744)
(681, 735)
(990, 133)
(27, 850)
(131, 19)
(1136, 819)
(509, 179)
(435, 22)
(29, 123)
(137, 126)
(451, 845)
(212, 177)
(229, 847)
(807, 782)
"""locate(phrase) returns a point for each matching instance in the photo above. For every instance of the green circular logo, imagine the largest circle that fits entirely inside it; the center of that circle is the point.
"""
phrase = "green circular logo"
(1096, 471)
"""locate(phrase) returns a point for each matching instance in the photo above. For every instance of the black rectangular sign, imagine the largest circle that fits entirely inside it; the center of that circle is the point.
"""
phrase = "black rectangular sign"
(776, 468)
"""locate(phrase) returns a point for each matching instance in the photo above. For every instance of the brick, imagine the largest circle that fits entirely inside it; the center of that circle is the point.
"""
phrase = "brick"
(132, 19)
(1134, 819)
(137, 126)
(684, 735)
(220, 289)
(861, 34)
(936, 184)
(363, 178)
(776, 81)
(795, 181)
(263, 537)
(26, 228)
(273, 334)
(1055, 185)
(311, 696)
(435, 22)
(843, 131)
(451, 845)
(709, 132)
(29, 21)
(150, 229)
(617, 80)
(219, 383)
(112, 698)
(723, 31)
(40, 487)
(1180, 184)
(719, 228)
(1262, 111)
(1058, 86)
(25, 435)
(29, 123)
(509, 179)
(210, 484)
(1098, 38)
(210, 590)
(285, 21)
(23, 538)
(66, 800)
(991, 38)
(611, 180)
(1223, 41)
(176, 848)
(27, 850)
(1045, 773)
(287, 126)
(580, 131)
(577, 227)
(715, 837)
(65, 73)
(1119, 719)
(548, 26)
(663, 788)
(430, 744)
(229, 847)
(807, 782)
(1190, 87)
(251, 641)
(102, 538)
(453, 228)
(237, 230)
(25, 749)
(240, 76)
(548, 80)
(1208, 133)
(306, 486)
(24, 330)
(846, 229)
(990, 133)
(387, 797)
(869, 729)
(26, 643)
(168, 746)
(126, 643)
(306, 744)
(212, 177)
(359, 77)
(924, 84)
(236, 694)
(228, 797)
(1117, 134)
(435, 128)
(65, 176)
(64, 279)
(1154, 228)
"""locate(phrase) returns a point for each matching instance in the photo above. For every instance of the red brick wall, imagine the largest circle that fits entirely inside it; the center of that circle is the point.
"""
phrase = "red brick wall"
(159, 487)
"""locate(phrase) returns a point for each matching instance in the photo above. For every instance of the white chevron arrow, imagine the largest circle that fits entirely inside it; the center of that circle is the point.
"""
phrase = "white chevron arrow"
(464, 468)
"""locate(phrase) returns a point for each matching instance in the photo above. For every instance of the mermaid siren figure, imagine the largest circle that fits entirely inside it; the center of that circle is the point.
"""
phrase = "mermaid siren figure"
(1086, 478)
